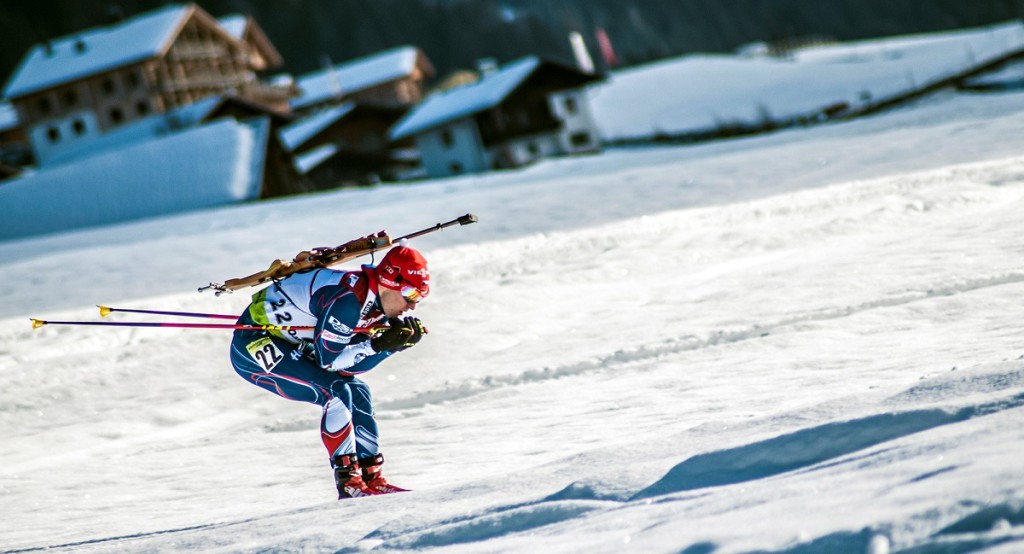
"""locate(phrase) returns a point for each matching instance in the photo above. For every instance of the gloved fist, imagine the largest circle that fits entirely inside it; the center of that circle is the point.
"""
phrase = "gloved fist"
(418, 330)
(400, 335)
(307, 349)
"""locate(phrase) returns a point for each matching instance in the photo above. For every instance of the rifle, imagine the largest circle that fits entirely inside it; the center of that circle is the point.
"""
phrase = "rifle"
(326, 257)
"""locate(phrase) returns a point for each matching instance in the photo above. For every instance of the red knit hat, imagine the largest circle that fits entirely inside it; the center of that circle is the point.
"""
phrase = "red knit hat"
(403, 266)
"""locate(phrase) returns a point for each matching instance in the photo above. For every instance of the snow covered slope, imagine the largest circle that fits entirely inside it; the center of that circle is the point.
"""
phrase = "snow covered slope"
(804, 342)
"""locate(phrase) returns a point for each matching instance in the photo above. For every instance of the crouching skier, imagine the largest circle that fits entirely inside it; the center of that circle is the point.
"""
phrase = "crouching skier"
(320, 365)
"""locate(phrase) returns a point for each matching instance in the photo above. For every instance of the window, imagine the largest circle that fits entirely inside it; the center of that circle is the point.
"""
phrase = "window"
(447, 138)
(70, 98)
(133, 80)
(533, 149)
(108, 86)
(142, 107)
(45, 107)
(580, 139)
(455, 167)
(53, 134)
(570, 105)
(116, 115)
(78, 126)
(369, 141)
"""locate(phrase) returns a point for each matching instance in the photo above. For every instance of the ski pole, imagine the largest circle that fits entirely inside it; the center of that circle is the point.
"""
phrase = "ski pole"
(106, 310)
(37, 323)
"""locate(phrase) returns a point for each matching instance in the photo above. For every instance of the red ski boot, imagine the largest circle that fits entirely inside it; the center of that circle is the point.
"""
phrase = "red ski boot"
(373, 478)
(348, 478)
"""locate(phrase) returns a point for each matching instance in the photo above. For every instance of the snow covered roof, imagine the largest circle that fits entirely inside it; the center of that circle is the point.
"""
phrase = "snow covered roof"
(457, 103)
(211, 165)
(297, 133)
(96, 50)
(234, 24)
(355, 75)
(308, 161)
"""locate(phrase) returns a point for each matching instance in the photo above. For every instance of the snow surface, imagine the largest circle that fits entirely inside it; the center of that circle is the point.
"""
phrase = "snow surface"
(199, 167)
(704, 92)
(804, 342)
(801, 342)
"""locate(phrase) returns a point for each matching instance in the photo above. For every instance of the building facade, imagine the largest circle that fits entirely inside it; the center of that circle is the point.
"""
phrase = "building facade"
(76, 88)
(528, 110)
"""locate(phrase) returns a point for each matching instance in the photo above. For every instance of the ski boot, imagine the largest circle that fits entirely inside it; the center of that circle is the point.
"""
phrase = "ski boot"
(348, 478)
(373, 478)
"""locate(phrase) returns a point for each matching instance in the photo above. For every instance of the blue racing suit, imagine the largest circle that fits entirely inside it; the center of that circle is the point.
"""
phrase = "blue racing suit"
(334, 303)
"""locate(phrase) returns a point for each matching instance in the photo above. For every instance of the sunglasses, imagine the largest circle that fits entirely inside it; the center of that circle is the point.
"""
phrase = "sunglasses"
(411, 294)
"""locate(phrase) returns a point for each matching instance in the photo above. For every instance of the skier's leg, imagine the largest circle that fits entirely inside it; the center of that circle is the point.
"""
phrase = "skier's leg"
(336, 425)
(362, 418)
(371, 460)
(274, 364)
(340, 439)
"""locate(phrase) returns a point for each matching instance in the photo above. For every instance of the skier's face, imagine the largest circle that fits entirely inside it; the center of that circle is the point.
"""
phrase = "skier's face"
(394, 303)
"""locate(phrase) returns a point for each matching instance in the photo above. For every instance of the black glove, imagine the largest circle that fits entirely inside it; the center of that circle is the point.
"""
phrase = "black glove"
(308, 350)
(418, 330)
(399, 336)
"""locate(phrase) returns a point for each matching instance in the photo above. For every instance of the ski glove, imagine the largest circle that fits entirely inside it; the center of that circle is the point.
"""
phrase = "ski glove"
(308, 350)
(400, 335)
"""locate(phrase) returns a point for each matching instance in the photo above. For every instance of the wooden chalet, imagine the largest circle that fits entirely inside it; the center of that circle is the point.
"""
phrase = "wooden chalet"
(395, 77)
(348, 145)
(77, 87)
(514, 115)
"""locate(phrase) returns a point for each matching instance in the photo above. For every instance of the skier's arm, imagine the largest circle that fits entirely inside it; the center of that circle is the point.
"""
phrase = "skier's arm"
(337, 346)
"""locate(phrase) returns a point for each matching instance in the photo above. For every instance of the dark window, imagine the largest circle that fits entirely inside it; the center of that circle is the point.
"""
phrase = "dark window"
(116, 115)
(108, 86)
(533, 149)
(570, 105)
(369, 141)
(53, 134)
(78, 127)
(133, 80)
(455, 167)
(142, 107)
(45, 107)
(70, 98)
(447, 138)
(581, 139)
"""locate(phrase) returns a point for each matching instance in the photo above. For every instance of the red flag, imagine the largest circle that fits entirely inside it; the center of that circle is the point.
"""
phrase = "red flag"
(605, 44)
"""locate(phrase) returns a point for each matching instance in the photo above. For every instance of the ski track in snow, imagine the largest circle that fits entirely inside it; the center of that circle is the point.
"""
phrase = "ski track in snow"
(668, 425)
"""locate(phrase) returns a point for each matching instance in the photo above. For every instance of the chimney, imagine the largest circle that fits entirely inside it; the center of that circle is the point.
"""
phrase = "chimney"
(605, 44)
(486, 66)
(332, 76)
(579, 49)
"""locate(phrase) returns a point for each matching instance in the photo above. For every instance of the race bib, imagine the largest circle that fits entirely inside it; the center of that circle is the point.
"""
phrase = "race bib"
(265, 352)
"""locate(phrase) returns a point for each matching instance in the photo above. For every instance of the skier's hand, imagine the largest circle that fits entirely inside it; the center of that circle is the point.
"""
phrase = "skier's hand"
(418, 330)
(400, 335)
(308, 350)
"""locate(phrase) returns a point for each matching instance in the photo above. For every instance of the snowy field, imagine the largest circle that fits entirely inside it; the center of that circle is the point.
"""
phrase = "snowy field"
(698, 93)
(803, 342)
